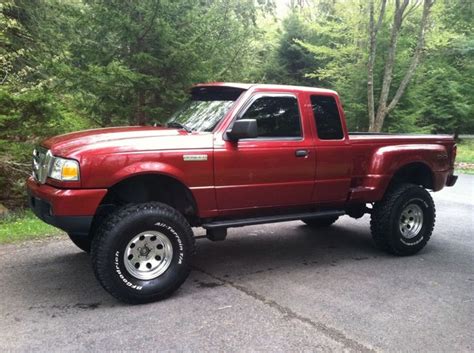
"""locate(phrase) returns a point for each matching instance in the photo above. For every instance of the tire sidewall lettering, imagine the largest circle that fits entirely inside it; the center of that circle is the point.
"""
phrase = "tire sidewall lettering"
(120, 274)
(178, 241)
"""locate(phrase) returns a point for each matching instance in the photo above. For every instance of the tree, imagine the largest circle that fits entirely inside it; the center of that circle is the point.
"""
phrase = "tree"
(135, 60)
(440, 99)
(402, 10)
(336, 40)
(289, 62)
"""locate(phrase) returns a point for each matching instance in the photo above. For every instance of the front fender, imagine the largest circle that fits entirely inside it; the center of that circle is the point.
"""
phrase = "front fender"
(142, 168)
(107, 170)
(197, 175)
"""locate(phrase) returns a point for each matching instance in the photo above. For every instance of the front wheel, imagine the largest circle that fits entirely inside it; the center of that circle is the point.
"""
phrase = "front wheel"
(142, 253)
(403, 221)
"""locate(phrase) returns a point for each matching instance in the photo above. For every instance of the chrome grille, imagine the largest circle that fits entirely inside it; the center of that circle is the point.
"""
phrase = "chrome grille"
(42, 159)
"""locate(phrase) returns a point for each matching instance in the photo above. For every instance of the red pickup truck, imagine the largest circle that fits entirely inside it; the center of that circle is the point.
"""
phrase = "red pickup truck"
(233, 155)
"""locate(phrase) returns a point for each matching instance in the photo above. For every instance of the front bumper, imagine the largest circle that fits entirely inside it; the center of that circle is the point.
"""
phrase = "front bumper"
(70, 224)
(71, 210)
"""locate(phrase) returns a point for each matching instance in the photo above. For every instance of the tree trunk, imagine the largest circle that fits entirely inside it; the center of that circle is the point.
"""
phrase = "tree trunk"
(376, 122)
(389, 63)
(140, 117)
(3, 211)
(416, 56)
(373, 29)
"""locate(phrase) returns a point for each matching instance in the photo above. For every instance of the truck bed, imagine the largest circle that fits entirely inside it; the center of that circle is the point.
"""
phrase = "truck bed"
(365, 144)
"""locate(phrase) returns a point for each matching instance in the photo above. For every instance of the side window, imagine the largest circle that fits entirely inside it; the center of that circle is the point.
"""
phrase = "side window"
(328, 121)
(276, 116)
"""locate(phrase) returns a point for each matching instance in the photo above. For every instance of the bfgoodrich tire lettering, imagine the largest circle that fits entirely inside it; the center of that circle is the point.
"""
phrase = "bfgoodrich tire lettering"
(403, 221)
(115, 234)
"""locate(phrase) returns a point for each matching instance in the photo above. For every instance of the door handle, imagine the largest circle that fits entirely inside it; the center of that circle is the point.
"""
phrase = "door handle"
(301, 153)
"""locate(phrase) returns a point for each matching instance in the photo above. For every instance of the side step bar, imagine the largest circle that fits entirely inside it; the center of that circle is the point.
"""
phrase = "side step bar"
(270, 219)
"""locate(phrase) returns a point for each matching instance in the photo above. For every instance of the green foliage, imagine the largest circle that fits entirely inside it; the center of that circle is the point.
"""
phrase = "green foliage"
(26, 117)
(465, 151)
(291, 63)
(443, 97)
(24, 226)
(134, 61)
(465, 156)
(451, 111)
(337, 44)
(440, 98)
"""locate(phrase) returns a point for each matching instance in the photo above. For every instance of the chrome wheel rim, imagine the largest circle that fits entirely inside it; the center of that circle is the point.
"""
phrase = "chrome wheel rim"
(148, 255)
(411, 221)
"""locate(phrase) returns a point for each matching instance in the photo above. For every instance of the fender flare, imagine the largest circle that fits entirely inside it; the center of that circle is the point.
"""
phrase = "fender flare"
(388, 160)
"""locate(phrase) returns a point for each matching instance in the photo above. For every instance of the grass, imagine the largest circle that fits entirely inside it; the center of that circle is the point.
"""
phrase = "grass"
(465, 156)
(465, 151)
(24, 226)
(464, 170)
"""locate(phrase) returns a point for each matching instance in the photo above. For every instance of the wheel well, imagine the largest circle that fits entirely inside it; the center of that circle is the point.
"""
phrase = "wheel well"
(150, 187)
(416, 173)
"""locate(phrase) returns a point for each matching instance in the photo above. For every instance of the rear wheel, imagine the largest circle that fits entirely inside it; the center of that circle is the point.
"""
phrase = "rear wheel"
(142, 253)
(402, 222)
(83, 242)
(320, 222)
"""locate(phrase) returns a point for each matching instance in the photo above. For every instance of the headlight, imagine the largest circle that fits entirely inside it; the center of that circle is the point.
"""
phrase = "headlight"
(64, 169)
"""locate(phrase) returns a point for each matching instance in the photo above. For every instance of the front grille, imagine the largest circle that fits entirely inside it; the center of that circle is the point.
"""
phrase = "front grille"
(42, 159)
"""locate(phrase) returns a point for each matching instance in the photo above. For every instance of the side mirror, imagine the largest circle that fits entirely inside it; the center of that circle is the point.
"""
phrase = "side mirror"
(243, 129)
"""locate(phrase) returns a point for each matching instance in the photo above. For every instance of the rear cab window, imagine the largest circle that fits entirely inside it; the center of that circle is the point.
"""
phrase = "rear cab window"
(327, 118)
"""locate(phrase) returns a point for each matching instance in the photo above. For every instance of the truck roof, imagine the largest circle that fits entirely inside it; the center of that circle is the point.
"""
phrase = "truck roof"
(247, 86)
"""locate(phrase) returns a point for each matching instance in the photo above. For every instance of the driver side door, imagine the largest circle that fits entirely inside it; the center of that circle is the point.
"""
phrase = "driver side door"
(275, 169)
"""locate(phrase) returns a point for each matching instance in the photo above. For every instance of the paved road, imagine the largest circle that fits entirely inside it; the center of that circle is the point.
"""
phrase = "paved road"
(272, 288)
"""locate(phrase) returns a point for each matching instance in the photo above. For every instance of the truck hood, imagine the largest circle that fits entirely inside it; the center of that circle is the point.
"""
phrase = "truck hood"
(125, 139)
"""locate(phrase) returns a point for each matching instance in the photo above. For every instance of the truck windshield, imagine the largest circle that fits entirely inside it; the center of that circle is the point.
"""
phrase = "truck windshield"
(207, 106)
(200, 115)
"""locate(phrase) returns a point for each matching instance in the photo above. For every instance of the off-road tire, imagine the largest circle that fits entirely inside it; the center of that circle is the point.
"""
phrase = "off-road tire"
(386, 215)
(110, 243)
(320, 222)
(83, 242)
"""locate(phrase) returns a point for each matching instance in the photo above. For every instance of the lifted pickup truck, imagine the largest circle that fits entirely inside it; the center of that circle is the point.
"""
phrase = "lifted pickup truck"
(233, 155)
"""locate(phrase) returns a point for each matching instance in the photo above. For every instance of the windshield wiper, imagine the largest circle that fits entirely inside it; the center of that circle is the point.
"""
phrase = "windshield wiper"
(178, 125)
